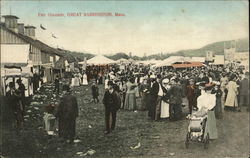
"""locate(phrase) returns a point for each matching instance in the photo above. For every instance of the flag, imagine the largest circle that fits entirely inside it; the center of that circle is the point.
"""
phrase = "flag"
(42, 27)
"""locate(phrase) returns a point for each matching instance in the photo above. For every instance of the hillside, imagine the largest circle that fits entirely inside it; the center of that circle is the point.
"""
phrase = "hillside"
(217, 47)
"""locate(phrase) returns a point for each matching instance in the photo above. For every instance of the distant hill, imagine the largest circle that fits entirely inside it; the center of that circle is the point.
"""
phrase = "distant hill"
(242, 45)
(73, 56)
(118, 56)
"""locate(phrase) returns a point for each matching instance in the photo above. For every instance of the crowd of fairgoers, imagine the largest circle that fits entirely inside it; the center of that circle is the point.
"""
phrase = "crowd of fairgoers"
(163, 91)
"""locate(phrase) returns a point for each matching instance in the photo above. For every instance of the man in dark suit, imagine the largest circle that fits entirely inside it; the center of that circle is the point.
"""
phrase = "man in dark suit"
(67, 113)
(190, 93)
(244, 91)
(161, 91)
(57, 85)
(112, 103)
(21, 89)
(175, 100)
(153, 98)
(13, 97)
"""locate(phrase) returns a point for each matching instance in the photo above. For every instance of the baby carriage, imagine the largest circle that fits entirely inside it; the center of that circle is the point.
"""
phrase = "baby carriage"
(197, 129)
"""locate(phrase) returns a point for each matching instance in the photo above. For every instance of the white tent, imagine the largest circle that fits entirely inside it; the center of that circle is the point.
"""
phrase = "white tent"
(147, 62)
(100, 60)
(122, 60)
(172, 59)
(199, 59)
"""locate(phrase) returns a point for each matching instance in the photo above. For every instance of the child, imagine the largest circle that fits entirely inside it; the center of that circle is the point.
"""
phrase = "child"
(95, 92)
(49, 119)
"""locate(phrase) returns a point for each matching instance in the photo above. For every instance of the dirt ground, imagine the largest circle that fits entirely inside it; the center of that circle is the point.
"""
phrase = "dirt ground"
(157, 139)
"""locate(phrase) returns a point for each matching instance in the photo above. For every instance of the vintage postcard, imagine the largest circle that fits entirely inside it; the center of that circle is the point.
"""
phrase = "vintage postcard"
(124, 79)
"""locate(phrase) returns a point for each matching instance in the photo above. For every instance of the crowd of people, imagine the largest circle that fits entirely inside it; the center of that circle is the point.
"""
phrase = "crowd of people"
(162, 92)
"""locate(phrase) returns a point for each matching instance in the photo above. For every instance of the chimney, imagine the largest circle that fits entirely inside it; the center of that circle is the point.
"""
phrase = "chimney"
(11, 22)
(20, 28)
(30, 31)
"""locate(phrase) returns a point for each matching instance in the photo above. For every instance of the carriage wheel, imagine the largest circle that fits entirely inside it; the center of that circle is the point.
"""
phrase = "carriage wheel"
(206, 142)
(187, 140)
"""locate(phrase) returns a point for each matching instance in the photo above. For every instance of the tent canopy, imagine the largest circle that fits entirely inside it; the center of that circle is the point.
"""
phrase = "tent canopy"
(198, 59)
(172, 59)
(122, 60)
(151, 61)
(100, 60)
(188, 65)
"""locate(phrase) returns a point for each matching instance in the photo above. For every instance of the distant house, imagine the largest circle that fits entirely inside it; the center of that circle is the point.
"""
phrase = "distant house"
(209, 56)
(232, 55)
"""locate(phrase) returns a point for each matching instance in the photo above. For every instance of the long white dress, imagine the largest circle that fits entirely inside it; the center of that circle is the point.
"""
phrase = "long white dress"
(84, 80)
(164, 109)
(75, 82)
(231, 99)
(106, 84)
(208, 102)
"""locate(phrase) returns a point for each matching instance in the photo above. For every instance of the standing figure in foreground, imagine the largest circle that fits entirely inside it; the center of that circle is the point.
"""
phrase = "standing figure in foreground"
(206, 102)
(130, 99)
(153, 95)
(112, 103)
(21, 89)
(192, 100)
(95, 92)
(57, 85)
(14, 101)
(67, 113)
(217, 109)
(232, 100)
(175, 100)
(244, 91)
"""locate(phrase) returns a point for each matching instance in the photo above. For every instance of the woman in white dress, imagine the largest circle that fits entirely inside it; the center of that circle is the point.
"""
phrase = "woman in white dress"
(130, 99)
(106, 82)
(75, 81)
(231, 100)
(84, 80)
(164, 102)
(206, 102)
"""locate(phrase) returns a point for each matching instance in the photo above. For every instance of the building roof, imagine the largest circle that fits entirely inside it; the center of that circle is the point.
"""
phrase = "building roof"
(188, 65)
(28, 26)
(10, 16)
(40, 45)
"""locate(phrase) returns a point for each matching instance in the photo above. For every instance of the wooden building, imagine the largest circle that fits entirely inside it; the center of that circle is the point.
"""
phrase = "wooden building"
(20, 48)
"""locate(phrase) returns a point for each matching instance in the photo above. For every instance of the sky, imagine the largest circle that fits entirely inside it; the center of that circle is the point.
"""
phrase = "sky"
(147, 27)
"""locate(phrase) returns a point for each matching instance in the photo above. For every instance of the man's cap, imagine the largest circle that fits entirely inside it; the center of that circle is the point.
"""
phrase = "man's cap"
(18, 80)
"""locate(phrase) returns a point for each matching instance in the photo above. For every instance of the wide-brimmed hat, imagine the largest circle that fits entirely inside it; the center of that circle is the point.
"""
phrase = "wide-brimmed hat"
(166, 80)
(152, 76)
